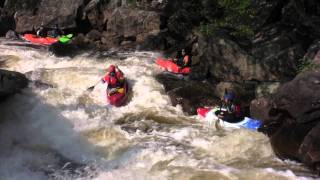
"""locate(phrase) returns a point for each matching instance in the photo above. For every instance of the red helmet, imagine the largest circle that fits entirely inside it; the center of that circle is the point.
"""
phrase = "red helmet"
(112, 68)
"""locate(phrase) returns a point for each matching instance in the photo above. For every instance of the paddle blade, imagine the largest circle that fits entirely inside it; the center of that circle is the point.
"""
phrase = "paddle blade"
(69, 36)
(90, 88)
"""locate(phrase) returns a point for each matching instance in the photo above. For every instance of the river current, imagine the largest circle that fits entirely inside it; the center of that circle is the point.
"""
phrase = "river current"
(63, 131)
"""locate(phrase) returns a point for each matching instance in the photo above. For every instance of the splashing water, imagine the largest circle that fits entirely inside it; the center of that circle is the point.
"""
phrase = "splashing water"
(66, 132)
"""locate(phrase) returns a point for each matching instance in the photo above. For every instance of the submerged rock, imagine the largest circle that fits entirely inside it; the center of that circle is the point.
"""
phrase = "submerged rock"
(61, 50)
(12, 35)
(11, 83)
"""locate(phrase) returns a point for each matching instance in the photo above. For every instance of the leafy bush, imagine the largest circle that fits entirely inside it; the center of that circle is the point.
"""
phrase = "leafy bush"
(305, 65)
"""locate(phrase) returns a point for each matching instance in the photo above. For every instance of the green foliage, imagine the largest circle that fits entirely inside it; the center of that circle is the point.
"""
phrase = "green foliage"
(307, 65)
(237, 16)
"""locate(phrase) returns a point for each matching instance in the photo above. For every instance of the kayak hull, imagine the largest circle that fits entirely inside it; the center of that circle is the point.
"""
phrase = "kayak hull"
(208, 114)
(170, 66)
(118, 99)
(40, 40)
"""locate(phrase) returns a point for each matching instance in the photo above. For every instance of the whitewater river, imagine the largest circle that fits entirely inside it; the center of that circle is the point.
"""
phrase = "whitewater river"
(63, 131)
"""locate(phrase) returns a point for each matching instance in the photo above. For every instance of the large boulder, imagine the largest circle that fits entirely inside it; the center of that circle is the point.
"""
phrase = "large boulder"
(29, 14)
(291, 119)
(11, 83)
(131, 25)
(189, 94)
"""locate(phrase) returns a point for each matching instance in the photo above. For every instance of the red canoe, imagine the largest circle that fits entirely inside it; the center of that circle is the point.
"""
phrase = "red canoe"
(170, 66)
(40, 40)
(117, 98)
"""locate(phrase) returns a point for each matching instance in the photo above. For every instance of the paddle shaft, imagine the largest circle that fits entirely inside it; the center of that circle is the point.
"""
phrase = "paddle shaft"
(92, 87)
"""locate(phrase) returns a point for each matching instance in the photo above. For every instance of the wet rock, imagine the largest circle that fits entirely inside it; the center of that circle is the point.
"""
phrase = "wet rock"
(260, 107)
(29, 15)
(268, 12)
(80, 40)
(128, 23)
(62, 50)
(11, 83)
(272, 46)
(309, 151)
(6, 21)
(224, 60)
(291, 119)
(153, 42)
(313, 54)
(12, 35)
(266, 89)
(41, 85)
(94, 35)
(189, 94)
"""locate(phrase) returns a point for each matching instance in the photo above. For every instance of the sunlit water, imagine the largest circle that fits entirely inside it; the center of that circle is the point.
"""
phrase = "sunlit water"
(67, 132)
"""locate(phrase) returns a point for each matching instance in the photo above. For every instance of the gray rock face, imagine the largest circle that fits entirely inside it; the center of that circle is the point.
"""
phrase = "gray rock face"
(269, 60)
(131, 25)
(11, 83)
(29, 15)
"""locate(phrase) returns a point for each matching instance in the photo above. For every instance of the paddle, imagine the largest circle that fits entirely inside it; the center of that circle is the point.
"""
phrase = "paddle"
(69, 36)
(92, 87)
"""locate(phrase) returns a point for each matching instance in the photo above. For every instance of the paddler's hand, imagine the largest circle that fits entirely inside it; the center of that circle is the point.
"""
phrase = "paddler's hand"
(221, 114)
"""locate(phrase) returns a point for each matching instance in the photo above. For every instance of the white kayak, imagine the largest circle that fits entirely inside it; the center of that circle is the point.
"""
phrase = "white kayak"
(209, 115)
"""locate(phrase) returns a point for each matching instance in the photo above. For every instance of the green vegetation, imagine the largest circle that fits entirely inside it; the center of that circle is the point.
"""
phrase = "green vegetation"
(237, 16)
(307, 65)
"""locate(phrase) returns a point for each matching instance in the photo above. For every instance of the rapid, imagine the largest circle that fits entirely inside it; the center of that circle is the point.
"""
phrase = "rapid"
(63, 131)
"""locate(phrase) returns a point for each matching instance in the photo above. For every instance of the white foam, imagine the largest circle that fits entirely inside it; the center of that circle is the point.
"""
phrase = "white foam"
(66, 117)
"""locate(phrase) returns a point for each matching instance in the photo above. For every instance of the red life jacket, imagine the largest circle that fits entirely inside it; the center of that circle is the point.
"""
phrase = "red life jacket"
(115, 80)
(111, 80)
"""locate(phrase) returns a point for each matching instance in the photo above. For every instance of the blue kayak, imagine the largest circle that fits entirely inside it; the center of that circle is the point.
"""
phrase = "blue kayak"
(209, 115)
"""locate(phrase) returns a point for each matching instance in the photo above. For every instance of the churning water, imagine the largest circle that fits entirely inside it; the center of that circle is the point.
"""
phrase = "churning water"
(62, 131)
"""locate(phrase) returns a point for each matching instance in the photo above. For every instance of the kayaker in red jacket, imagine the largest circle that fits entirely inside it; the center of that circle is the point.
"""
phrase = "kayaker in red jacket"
(114, 77)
